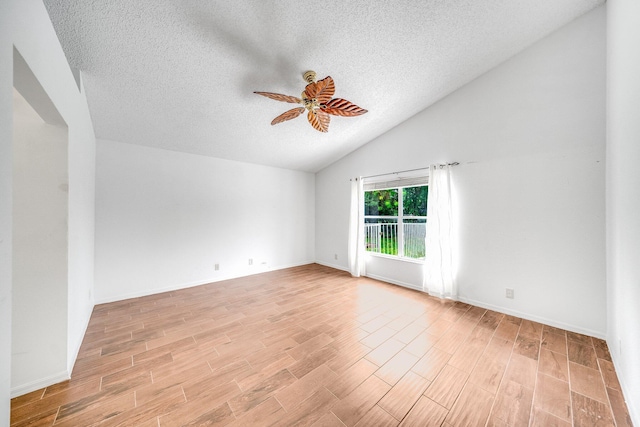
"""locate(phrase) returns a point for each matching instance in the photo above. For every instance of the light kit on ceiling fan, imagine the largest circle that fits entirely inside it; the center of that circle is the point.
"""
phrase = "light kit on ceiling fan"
(317, 99)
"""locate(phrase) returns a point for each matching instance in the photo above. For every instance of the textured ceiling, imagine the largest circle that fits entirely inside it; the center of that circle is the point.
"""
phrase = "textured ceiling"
(180, 75)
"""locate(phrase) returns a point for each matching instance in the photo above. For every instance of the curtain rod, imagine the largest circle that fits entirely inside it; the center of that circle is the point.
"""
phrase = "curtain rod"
(408, 170)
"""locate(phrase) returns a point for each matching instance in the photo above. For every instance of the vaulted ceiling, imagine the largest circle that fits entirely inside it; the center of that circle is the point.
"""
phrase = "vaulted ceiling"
(180, 75)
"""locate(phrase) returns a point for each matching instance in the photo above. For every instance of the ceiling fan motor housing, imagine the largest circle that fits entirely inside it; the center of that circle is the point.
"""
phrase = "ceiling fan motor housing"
(309, 76)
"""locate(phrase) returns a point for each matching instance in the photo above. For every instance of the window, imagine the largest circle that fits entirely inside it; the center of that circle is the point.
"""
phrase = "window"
(395, 218)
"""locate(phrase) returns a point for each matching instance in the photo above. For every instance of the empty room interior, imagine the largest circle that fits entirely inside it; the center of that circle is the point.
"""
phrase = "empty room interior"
(445, 230)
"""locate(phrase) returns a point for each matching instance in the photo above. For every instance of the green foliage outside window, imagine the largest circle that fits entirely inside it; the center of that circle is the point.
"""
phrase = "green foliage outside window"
(381, 202)
(414, 200)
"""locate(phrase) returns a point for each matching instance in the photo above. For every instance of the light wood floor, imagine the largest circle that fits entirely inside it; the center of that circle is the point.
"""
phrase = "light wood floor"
(312, 346)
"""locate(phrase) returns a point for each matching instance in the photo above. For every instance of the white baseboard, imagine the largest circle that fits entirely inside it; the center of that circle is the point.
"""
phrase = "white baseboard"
(533, 318)
(373, 276)
(395, 282)
(73, 352)
(632, 406)
(330, 265)
(38, 384)
(152, 291)
(522, 315)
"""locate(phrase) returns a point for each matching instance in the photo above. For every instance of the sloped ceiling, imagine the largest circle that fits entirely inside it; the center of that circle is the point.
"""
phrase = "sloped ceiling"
(180, 75)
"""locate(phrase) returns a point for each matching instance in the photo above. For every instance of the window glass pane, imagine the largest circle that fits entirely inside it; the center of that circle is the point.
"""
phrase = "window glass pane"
(381, 235)
(414, 201)
(381, 202)
(390, 231)
(414, 233)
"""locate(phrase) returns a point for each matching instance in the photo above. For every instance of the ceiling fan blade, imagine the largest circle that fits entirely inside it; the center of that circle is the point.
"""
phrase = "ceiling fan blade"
(342, 107)
(280, 97)
(288, 115)
(322, 90)
(310, 90)
(326, 93)
(319, 120)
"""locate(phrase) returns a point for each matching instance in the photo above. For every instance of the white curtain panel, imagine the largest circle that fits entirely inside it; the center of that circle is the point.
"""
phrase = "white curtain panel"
(439, 273)
(356, 248)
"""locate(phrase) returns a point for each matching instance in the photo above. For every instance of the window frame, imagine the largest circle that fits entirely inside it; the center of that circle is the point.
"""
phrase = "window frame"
(400, 219)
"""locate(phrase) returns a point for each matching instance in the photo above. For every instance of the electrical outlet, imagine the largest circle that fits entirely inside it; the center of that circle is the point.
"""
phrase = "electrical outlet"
(335, 256)
(250, 261)
(509, 293)
(216, 267)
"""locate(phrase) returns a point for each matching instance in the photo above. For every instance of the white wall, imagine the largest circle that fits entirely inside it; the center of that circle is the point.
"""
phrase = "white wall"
(529, 135)
(40, 249)
(26, 25)
(6, 179)
(82, 188)
(164, 219)
(623, 196)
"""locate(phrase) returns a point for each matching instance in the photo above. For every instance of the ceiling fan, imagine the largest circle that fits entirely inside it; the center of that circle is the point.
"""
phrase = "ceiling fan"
(317, 99)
